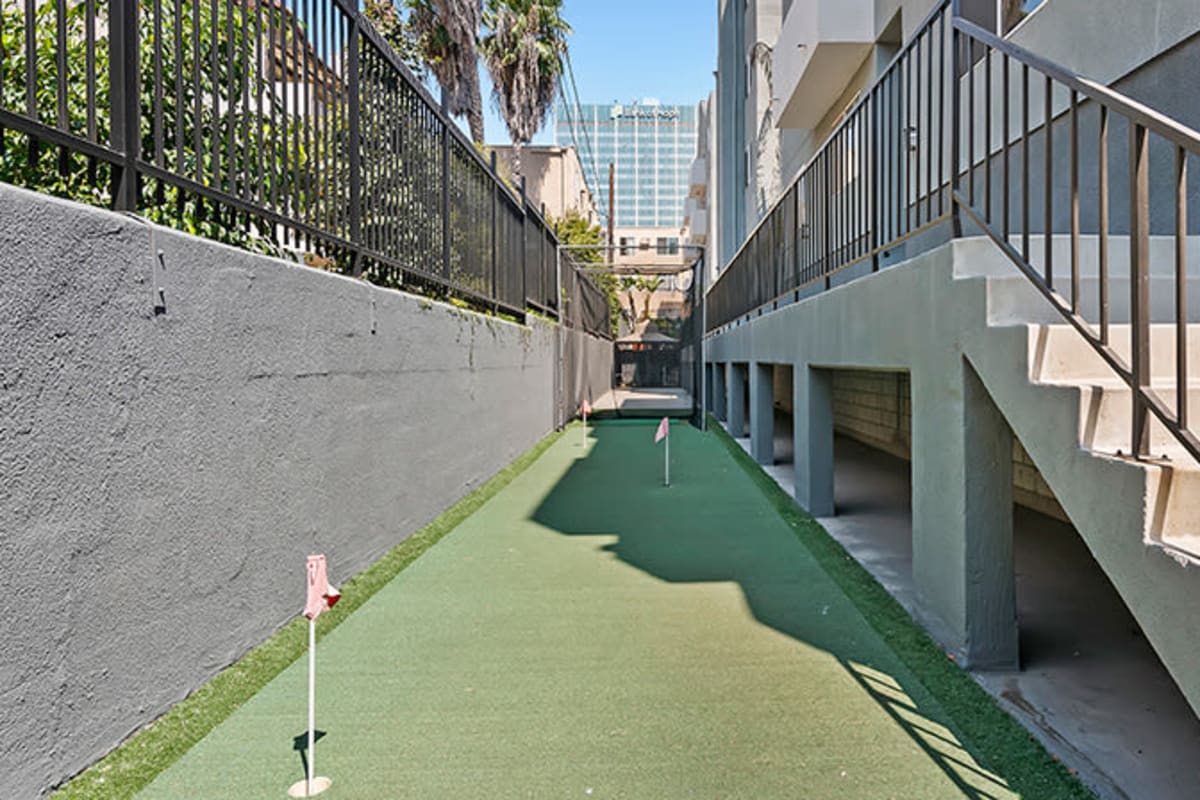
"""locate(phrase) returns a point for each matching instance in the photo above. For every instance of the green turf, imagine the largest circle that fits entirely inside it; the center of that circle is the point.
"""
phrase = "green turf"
(590, 633)
(144, 755)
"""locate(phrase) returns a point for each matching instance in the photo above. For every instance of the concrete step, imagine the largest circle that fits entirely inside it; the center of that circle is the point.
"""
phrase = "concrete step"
(1098, 409)
(1072, 414)
(976, 258)
(1106, 415)
(1162, 255)
(1058, 353)
(1178, 528)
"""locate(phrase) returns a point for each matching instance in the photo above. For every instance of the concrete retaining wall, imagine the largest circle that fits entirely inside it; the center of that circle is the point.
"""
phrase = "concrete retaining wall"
(169, 458)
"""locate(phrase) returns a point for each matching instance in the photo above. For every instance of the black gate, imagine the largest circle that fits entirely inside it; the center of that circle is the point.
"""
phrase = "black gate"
(648, 364)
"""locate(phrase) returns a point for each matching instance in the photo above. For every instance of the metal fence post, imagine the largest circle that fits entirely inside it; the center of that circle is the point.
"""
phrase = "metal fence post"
(558, 293)
(873, 105)
(955, 120)
(828, 235)
(354, 122)
(1139, 283)
(524, 245)
(125, 99)
(495, 221)
(445, 193)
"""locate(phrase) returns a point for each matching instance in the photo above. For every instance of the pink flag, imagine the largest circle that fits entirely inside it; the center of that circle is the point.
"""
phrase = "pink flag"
(661, 433)
(321, 594)
(586, 408)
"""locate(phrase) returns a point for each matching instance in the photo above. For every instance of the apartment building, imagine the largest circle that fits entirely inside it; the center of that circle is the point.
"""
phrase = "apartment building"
(958, 267)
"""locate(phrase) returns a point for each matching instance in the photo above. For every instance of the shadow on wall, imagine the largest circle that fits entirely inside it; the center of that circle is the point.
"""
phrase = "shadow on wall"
(713, 525)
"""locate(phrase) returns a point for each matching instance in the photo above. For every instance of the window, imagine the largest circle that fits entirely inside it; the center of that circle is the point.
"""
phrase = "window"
(667, 245)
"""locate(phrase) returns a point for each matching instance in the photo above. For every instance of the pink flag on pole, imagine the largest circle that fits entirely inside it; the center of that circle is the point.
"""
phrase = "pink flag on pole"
(661, 433)
(321, 593)
(586, 408)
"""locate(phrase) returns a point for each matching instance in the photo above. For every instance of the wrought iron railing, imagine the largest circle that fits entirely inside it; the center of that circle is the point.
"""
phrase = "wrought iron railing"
(287, 126)
(964, 128)
(876, 182)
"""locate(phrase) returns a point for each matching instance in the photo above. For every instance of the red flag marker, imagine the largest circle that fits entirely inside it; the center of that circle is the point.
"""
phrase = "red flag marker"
(321, 597)
(664, 432)
(321, 593)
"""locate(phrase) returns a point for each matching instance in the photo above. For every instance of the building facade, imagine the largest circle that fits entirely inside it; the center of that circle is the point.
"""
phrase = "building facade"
(748, 148)
(554, 179)
(700, 231)
(865, 321)
(650, 145)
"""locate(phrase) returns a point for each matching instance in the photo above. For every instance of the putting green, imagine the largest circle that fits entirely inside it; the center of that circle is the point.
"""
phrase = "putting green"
(589, 633)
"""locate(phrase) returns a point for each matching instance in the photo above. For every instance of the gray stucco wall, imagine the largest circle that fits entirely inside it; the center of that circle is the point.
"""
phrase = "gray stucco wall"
(164, 474)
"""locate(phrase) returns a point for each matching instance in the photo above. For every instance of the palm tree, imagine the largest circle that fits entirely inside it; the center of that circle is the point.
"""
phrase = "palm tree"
(524, 48)
(446, 33)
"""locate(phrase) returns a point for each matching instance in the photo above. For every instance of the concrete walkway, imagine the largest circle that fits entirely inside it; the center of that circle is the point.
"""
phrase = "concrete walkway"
(1091, 686)
(645, 402)
(589, 633)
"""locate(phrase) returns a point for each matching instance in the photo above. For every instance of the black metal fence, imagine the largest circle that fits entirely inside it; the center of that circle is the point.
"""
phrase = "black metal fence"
(286, 126)
(585, 305)
(1070, 179)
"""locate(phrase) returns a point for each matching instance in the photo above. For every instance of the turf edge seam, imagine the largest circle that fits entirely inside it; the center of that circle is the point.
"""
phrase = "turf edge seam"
(147, 752)
(993, 736)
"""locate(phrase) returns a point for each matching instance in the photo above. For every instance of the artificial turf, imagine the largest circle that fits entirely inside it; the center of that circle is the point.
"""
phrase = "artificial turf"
(588, 632)
(129, 767)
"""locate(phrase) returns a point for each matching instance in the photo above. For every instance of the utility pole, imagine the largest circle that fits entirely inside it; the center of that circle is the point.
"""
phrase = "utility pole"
(611, 220)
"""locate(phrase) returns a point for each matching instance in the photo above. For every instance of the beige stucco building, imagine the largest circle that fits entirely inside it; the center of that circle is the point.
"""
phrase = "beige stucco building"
(553, 178)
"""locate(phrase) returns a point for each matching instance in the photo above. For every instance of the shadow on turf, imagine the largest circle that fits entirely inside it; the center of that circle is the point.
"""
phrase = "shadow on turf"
(689, 532)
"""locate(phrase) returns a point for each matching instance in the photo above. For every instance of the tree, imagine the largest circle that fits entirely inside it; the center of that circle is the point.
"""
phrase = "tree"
(440, 37)
(217, 106)
(447, 32)
(397, 31)
(574, 229)
(524, 50)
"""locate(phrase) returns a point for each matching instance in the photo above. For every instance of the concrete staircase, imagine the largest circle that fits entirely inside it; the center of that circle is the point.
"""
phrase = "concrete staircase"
(1072, 413)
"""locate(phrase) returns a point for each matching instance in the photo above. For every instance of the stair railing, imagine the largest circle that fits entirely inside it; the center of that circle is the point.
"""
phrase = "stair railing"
(1080, 129)
(966, 128)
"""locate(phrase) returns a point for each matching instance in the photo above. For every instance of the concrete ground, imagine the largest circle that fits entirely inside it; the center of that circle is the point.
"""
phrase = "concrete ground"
(590, 633)
(1091, 687)
(645, 402)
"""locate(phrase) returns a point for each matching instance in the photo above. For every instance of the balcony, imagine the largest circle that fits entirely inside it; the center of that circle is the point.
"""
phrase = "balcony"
(821, 45)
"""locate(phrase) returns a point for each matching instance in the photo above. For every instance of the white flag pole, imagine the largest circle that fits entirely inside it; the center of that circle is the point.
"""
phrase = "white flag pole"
(583, 441)
(312, 700)
(667, 458)
(311, 785)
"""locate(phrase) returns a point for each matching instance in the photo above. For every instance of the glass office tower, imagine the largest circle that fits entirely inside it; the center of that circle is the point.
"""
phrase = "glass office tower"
(651, 146)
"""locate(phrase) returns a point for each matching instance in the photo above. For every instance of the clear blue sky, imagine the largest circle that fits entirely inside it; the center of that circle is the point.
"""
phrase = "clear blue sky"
(628, 49)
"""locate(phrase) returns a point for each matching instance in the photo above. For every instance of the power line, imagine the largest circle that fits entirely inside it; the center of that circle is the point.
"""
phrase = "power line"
(585, 146)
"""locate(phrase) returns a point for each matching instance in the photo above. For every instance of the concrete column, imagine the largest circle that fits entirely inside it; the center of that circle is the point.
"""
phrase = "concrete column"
(735, 398)
(708, 388)
(962, 517)
(718, 395)
(762, 413)
(812, 432)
